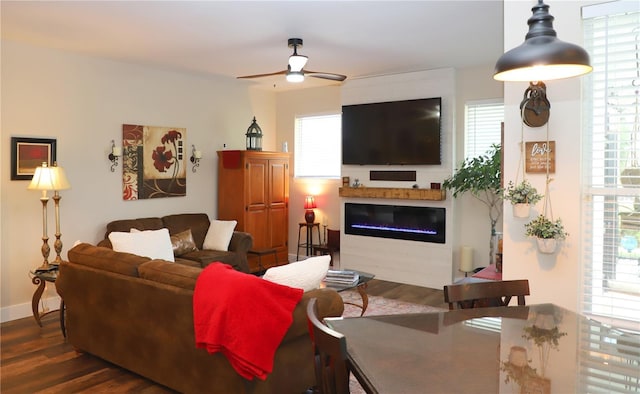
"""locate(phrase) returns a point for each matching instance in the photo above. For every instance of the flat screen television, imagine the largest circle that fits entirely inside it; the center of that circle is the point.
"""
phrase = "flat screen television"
(392, 133)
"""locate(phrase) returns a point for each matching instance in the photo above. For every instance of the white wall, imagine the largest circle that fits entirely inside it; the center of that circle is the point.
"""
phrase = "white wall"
(418, 263)
(307, 102)
(552, 278)
(471, 224)
(83, 102)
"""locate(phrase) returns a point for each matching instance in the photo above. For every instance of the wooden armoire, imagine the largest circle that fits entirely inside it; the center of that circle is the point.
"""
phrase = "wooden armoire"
(253, 188)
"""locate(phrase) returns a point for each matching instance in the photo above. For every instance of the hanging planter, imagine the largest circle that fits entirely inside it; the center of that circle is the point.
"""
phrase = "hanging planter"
(546, 246)
(521, 210)
(522, 196)
(547, 233)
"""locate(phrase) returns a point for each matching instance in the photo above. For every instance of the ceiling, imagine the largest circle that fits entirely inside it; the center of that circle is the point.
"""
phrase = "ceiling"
(235, 38)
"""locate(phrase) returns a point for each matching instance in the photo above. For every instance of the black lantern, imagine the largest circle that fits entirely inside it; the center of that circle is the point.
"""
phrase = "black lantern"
(254, 136)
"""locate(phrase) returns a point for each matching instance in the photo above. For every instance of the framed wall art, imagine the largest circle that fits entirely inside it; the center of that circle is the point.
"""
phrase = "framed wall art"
(153, 162)
(29, 153)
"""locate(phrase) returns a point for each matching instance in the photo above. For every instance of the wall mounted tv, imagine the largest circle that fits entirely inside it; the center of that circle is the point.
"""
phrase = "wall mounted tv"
(392, 133)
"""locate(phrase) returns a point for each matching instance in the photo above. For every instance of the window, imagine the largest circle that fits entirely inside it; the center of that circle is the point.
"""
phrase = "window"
(611, 151)
(482, 126)
(317, 146)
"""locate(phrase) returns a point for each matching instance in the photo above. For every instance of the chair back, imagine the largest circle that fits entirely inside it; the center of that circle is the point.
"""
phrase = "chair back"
(330, 355)
(333, 239)
(485, 294)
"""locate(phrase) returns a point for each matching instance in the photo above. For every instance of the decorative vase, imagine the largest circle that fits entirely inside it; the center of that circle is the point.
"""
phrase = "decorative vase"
(546, 245)
(521, 210)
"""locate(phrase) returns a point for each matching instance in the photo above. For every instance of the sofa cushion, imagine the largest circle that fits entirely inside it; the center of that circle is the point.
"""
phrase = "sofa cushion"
(155, 244)
(183, 243)
(170, 274)
(106, 259)
(139, 224)
(219, 235)
(198, 223)
(206, 257)
(306, 274)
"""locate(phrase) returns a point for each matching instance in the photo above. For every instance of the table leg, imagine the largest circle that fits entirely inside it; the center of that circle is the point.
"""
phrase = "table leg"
(362, 290)
(63, 326)
(309, 239)
(298, 249)
(35, 300)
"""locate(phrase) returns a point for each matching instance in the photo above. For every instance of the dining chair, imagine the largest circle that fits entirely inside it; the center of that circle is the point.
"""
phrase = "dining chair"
(485, 294)
(330, 355)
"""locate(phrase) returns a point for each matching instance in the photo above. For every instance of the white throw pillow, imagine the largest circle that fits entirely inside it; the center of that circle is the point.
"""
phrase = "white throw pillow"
(155, 244)
(306, 274)
(219, 235)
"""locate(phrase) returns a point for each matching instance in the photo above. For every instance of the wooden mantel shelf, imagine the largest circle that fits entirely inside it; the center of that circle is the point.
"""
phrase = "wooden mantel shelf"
(393, 193)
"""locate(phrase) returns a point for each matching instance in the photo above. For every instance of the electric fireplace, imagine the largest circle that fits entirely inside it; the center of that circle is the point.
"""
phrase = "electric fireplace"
(424, 224)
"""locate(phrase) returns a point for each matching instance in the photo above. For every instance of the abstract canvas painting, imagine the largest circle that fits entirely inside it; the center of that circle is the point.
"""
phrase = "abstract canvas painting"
(153, 162)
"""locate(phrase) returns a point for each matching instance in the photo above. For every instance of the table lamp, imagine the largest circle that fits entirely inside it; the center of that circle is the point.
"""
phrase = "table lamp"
(309, 205)
(60, 183)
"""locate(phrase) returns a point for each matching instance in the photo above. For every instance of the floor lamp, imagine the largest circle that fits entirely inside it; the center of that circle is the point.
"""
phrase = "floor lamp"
(47, 178)
(60, 183)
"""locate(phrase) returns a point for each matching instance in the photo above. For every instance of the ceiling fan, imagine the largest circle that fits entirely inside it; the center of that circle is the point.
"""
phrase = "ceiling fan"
(295, 71)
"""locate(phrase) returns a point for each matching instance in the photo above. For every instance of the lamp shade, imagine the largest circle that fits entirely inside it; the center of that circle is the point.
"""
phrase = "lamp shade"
(542, 56)
(309, 202)
(297, 62)
(49, 178)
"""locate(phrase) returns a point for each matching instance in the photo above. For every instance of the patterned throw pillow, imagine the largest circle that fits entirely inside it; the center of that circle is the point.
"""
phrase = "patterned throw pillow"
(183, 243)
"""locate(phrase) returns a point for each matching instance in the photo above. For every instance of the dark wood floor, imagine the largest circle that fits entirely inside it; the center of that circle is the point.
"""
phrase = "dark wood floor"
(34, 359)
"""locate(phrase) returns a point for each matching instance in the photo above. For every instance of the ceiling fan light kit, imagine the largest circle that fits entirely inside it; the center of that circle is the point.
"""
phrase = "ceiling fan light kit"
(295, 76)
(295, 72)
(541, 57)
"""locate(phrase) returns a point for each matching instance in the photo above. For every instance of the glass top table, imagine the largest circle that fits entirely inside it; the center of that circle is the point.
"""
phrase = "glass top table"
(533, 349)
(360, 286)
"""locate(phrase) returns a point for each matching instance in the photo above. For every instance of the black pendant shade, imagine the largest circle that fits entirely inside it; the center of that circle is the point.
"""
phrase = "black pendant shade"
(542, 56)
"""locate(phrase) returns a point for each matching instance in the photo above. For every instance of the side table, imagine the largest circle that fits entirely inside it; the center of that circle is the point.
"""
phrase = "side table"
(309, 243)
(40, 279)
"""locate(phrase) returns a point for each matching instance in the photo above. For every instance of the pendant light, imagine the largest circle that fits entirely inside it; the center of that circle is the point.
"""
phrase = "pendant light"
(541, 57)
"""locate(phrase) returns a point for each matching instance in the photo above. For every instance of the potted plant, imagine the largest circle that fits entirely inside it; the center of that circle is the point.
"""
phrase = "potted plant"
(547, 232)
(481, 177)
(522, 196)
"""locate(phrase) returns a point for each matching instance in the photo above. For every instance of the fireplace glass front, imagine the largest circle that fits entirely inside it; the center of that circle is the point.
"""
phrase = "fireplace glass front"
(425, 224)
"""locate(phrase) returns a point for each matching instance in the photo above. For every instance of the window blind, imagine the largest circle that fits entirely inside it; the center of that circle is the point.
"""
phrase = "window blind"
(317, 146)
(611, 256)
(482, 126)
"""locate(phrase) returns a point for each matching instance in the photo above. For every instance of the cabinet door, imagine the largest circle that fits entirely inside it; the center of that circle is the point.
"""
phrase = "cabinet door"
(257, 201)
(278, 203)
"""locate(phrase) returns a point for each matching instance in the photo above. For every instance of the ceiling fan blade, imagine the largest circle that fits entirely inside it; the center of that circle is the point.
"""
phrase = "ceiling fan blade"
(323, 75)
(263, 75)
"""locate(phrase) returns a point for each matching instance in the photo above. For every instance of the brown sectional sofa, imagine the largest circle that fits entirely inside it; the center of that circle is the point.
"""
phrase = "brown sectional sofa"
(137, 313)
(236, 256)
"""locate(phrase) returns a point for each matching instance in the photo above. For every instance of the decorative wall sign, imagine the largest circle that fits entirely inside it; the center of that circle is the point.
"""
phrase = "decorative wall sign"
(29, 153)
(536, 154)
(153, 162)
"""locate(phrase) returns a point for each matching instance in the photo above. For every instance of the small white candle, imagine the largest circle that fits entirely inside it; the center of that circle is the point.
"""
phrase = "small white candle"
(197, 154)
(466, 259)
(116, 151)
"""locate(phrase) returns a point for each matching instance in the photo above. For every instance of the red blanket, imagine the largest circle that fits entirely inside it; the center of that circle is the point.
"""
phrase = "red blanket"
(243, 316)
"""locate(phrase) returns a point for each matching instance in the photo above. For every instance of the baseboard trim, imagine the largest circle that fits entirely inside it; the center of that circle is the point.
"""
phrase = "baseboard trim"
(20, 311)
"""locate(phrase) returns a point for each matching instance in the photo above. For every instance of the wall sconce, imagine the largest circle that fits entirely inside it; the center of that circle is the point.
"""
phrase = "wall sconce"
(116, 152)
(196, 155)
(254, 136)
(541, 57)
